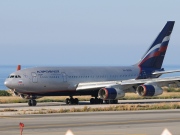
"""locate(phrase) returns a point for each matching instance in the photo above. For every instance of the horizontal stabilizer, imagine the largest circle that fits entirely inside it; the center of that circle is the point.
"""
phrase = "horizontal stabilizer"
(165, 72)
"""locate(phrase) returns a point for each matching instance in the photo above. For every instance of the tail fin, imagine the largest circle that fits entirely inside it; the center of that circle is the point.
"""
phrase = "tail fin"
(154, 56)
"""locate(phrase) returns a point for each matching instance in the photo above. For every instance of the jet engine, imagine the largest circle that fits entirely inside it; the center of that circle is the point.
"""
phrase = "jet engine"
(149, 90)
(110, 93)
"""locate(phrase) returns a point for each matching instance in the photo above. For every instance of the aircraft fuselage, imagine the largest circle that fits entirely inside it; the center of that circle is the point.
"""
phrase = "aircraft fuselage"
(44, 80)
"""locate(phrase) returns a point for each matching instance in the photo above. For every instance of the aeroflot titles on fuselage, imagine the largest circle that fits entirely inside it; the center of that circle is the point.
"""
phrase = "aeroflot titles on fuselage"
(48, 71)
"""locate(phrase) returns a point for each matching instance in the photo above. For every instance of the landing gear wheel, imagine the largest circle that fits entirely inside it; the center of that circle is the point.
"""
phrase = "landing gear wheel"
(107, 101)
(100, 101)
(76, 101)
(67, 101)
(29, 103)
(92, 101)
(115, 101)
(111, 101)
(32, 102)
(72, 101)
(96, 101)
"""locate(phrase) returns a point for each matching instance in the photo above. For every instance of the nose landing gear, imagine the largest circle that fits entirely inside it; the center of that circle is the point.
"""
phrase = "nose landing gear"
(32, 102)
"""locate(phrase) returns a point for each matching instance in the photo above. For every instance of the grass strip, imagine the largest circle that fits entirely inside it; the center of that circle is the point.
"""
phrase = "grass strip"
(130, 107)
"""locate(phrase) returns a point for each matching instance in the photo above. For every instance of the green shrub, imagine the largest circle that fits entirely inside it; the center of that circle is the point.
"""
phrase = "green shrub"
(172, 89)
(4, 93)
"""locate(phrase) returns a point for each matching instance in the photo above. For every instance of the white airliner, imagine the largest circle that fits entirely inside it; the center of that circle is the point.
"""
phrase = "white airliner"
(104, 83)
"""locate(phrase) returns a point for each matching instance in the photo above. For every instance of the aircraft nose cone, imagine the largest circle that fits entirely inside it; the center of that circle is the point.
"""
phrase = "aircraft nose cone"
(7, 84)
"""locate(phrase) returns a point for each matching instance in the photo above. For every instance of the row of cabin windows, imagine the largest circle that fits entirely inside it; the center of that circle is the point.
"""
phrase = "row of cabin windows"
(114, 76)
(54, 77)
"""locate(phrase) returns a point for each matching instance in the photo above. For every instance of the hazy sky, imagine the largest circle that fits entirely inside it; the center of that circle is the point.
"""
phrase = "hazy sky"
(81, 32)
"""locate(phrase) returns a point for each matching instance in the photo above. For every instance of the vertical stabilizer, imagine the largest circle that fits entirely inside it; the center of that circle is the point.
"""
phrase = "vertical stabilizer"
(154, 56)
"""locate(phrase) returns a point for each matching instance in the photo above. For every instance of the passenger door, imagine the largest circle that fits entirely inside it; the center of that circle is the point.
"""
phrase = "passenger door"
(64, 75)
(34, 77)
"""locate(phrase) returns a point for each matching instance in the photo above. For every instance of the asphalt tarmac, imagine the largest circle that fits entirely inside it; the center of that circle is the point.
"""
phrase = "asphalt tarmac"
(94, 123)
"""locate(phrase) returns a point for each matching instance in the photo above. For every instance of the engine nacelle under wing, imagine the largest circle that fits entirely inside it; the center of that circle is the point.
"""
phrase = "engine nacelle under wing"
(110, 93)
(149, 90)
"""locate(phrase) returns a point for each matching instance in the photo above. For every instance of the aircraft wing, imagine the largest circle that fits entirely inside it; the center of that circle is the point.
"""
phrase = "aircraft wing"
(160, 81)
(129, 83)
(165, 72)
(95, 85)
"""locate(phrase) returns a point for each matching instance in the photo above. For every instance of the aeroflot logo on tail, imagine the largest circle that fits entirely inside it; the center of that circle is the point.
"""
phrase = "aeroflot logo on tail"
(48, 71)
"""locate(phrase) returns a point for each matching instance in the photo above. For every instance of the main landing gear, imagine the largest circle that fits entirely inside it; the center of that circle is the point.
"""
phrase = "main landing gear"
(96, 101)
(111, 101)
(72, 101)
(32, 102)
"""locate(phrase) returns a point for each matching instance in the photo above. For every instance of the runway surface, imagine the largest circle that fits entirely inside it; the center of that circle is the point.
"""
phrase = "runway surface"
(94, 123)
(23, 108)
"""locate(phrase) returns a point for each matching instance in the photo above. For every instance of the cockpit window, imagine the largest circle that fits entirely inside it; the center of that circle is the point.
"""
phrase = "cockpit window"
(14, 76)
